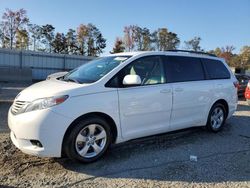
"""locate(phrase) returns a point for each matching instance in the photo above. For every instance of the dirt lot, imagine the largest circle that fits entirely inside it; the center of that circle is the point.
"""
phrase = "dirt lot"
(158, 161)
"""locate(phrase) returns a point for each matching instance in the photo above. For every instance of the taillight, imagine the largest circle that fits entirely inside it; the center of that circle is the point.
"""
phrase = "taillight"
(236, 85)
(247, 91)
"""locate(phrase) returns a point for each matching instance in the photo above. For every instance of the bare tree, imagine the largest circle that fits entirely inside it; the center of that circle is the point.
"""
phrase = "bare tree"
(36, 34)
(12, 22)
(48, 36)
(193, 44)
(128, 38)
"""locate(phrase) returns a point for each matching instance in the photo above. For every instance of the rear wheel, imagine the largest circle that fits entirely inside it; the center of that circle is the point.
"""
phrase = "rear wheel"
(216, 118)
(88, 140)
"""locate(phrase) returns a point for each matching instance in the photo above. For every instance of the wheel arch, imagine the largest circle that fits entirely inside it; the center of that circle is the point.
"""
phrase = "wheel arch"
(102, 115)
(224, 103)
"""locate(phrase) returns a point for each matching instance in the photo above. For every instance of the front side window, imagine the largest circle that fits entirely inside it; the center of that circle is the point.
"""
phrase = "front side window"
(216, 69)
(182, 69)
(94, 70)
(150, 69)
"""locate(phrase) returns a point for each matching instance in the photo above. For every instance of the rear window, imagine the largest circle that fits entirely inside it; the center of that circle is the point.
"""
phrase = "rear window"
(181, 69)
(216, 69)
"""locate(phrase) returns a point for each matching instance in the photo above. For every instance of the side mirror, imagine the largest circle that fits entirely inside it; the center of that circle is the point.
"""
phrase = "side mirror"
(131, 80)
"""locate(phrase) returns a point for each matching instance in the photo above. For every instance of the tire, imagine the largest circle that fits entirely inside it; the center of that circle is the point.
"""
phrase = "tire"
(216, 118)
(88, 140)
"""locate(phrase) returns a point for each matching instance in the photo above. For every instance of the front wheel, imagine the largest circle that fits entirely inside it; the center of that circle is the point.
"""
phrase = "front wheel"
(88, 140)
(216, 118)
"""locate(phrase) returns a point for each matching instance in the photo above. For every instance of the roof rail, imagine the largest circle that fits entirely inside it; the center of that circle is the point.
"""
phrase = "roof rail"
(193, 52)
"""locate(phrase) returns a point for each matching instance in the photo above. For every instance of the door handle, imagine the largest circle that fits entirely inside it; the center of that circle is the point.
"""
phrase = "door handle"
(165, 91)
(178, 89)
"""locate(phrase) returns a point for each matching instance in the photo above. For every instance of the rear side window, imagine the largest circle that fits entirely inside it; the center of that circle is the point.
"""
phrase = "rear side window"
(215, 69)
(181, 69)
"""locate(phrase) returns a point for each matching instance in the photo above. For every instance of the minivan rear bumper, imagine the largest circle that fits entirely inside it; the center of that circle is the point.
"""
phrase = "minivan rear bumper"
(232, 106)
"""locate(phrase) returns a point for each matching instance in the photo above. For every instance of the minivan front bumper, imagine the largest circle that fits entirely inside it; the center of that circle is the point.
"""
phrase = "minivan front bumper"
(45, 126)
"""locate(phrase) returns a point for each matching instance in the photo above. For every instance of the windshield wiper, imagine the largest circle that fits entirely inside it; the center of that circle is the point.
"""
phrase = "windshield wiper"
(71, 80)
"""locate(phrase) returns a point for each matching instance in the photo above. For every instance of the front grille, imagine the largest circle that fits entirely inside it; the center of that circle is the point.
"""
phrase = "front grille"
(18, 106)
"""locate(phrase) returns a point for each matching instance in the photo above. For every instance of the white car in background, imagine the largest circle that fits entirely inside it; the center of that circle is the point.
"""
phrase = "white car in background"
(56, 75)
(120, 97)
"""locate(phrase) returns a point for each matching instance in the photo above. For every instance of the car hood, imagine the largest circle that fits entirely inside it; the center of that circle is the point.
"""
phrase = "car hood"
(48, 88)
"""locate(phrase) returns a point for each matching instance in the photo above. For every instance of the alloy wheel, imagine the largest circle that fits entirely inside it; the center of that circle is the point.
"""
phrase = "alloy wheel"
(91, 140)
(217, 118)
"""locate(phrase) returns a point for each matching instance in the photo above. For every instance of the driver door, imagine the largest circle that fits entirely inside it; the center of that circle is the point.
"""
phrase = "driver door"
(145, 109)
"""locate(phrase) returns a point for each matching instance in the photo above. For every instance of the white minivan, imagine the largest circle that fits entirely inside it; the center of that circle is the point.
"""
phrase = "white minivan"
(121, 97)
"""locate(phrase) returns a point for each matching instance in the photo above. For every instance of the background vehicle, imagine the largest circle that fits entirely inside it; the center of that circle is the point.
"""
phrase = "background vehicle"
(243, 81)
(56, 75)
(122, 97)
(247, 93)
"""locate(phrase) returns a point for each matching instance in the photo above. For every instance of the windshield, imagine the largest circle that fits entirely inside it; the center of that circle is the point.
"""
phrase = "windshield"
(94, 70)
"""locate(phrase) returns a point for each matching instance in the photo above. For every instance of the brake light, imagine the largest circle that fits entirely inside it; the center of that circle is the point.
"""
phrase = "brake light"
(247, 92)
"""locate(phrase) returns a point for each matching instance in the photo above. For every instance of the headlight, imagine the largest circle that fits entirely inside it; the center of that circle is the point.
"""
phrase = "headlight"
(45, 103)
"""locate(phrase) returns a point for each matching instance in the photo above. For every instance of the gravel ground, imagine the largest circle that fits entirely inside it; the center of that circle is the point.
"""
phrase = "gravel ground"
(223, 160)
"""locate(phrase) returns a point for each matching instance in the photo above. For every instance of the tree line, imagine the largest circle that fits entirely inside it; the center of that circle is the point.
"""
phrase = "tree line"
(136, 38)
(17, 32)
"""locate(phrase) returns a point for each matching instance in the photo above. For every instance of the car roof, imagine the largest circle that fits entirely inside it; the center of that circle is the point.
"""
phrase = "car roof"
(177, 53)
